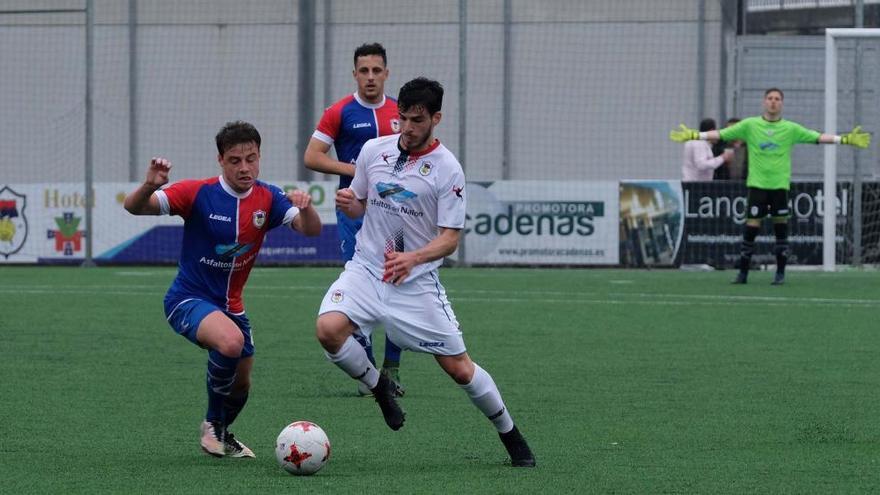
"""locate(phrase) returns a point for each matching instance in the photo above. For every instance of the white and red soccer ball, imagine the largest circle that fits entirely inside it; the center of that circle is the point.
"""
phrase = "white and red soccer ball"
(302, 448)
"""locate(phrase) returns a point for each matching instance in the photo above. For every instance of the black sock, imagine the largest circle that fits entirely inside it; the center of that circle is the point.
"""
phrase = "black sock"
(232, 406)
(748, 247)
(781, 248)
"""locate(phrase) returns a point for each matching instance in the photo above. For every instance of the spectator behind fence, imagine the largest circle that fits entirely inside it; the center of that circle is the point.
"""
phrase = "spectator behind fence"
(699, 162)
(738, 167)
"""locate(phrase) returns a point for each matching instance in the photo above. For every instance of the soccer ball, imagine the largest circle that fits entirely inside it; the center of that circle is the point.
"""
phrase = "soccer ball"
(302, 448)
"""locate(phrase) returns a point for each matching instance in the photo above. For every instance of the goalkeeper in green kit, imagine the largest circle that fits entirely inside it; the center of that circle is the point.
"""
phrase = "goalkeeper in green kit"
(770, 139)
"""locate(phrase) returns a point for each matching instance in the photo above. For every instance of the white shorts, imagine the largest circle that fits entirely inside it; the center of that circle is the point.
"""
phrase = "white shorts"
(417, 315)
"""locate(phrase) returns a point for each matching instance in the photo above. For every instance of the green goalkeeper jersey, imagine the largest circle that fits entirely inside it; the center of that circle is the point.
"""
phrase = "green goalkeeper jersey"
(769, 146)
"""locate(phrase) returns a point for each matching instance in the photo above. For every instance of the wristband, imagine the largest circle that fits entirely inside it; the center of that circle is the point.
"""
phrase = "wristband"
(703, 136)
(838, 140)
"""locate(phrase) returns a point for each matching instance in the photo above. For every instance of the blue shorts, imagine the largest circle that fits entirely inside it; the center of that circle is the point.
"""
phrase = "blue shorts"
(186, 317)
(347, 230)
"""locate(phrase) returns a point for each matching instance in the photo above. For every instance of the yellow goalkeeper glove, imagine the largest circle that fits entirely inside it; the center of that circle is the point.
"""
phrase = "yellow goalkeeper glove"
(856, 138)
(684, 134)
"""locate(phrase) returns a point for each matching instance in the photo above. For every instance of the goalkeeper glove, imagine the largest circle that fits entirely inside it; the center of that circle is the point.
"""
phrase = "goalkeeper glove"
(856, 138)
(684, 134)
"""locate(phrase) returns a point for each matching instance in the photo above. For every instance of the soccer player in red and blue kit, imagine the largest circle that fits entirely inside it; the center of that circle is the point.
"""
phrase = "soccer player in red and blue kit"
(225, 221)
(347, 125)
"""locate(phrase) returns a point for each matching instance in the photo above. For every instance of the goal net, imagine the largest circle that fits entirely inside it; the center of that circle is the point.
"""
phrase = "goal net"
(851, 225)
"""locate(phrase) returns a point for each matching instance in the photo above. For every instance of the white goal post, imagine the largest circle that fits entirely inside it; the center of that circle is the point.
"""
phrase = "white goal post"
(829, 225)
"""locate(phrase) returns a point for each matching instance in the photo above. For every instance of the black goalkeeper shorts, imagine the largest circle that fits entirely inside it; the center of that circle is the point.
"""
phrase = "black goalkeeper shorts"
(763, 202)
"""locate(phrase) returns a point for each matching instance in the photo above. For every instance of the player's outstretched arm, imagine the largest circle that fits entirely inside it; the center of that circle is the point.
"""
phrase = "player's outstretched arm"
(684, 133)
(349, 204)
(307, 222)
(855, 137)
(317, 159)
(141, 201)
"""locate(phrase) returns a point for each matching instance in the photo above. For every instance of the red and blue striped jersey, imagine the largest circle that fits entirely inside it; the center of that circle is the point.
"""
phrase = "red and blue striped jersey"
(351, 122)
(222, 234)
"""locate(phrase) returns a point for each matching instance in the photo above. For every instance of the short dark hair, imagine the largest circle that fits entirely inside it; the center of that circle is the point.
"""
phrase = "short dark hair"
(370, 49)
(732, 120)
(421, 92)
(781, 94)
(235, 133)
(707, 125)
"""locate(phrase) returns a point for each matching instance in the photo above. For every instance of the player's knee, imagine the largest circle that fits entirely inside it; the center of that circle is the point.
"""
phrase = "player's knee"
(230, 344)
(330, 330)
(780, 249)
(461, 377)
(460, 370)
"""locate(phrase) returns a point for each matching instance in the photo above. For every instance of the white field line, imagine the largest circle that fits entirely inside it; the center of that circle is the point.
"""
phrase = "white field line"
(646, 302)
(728, 297)
(488, 296)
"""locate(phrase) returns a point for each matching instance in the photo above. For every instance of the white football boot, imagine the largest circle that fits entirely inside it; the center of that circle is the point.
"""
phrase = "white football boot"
(211, 441)
(234, 448)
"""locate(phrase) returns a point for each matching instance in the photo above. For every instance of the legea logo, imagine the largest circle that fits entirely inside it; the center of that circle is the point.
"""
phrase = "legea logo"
(219, 218)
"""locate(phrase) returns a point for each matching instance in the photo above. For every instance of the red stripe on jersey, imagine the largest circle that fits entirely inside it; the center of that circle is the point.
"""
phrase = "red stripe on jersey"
(253, 220)
(181, 195)
(332, 118)
(387, 118)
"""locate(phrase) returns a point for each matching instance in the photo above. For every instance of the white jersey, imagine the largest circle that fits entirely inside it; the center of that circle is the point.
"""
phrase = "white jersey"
(408, 198)
(699, 163)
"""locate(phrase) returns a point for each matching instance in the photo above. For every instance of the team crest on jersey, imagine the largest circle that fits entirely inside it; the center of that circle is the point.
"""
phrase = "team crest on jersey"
(426, 167)
(337, 296)
(395, 126)
(259, 219)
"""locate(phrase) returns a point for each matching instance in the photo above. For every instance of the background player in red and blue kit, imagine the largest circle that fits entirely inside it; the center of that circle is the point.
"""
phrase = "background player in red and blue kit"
(225, 221)
(347, 125)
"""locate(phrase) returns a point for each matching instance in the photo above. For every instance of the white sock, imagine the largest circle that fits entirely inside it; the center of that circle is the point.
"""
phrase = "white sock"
(485, 395)
(352, 358)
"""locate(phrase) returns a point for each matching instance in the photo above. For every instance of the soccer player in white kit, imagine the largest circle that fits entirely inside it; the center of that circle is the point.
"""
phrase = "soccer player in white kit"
(410, 190)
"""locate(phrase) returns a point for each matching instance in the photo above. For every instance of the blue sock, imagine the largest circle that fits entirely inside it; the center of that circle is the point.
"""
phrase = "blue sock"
(232, 406)
(221, 375)
(392, 354)
(367, 344)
